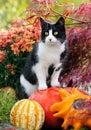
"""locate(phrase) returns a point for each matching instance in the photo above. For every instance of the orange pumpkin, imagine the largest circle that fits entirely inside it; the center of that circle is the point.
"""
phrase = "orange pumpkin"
(46, 98)
(75, 109)
(27, 114)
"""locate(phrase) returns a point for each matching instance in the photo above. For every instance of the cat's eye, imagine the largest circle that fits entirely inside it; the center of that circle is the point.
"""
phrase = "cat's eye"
(46, 33)
(55, 33)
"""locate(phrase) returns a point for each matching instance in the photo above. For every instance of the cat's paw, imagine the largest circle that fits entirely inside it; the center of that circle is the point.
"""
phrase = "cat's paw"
(55, 83)
(42, 87)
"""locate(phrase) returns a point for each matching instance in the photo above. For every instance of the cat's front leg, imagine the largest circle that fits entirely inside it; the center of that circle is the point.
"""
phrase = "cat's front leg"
(55, 75)
(41, 73)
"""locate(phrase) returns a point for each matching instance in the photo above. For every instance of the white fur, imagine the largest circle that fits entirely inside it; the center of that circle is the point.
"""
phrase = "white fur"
(51, 40)
(49, 53)
(55, 75)
(29, 88)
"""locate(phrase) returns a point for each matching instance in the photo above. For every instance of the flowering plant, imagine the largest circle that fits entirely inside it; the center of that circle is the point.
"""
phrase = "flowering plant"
(15, 44)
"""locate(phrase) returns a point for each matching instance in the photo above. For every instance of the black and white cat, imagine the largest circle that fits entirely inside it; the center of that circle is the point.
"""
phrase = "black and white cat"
(46, 59)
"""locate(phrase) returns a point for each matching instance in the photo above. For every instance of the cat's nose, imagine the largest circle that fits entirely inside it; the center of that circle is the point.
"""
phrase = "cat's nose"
(50, 39)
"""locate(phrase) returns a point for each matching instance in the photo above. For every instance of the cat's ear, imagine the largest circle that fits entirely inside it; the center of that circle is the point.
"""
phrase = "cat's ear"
(42, 21)
(61, 21)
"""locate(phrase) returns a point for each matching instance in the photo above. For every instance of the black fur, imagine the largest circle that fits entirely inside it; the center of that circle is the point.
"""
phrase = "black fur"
(63, 55)
(58, 27)
(21, 93)
(33, 58)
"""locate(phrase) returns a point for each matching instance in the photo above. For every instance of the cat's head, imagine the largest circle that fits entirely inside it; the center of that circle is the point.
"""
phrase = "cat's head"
(53, 33)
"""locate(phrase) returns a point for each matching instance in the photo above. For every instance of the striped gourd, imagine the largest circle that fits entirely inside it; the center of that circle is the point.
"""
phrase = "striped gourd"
(27, 114)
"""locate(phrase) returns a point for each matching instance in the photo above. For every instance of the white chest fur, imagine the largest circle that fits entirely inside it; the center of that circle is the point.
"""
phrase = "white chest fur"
(50, 54)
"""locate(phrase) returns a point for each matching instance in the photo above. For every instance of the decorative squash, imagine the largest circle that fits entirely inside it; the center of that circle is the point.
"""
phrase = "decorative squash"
(27, 114)
(75, 109)
(46, 98)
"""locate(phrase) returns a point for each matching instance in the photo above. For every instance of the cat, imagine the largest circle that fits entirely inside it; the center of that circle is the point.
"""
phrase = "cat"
(45, 62)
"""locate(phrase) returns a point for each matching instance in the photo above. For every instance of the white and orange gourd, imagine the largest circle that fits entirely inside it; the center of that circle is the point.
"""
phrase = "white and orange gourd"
(27, 114)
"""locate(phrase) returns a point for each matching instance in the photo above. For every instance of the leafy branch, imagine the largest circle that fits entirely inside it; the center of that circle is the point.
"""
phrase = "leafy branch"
(69, 17)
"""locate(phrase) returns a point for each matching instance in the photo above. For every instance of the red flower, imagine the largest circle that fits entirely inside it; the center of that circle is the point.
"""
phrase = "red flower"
(2, 55)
